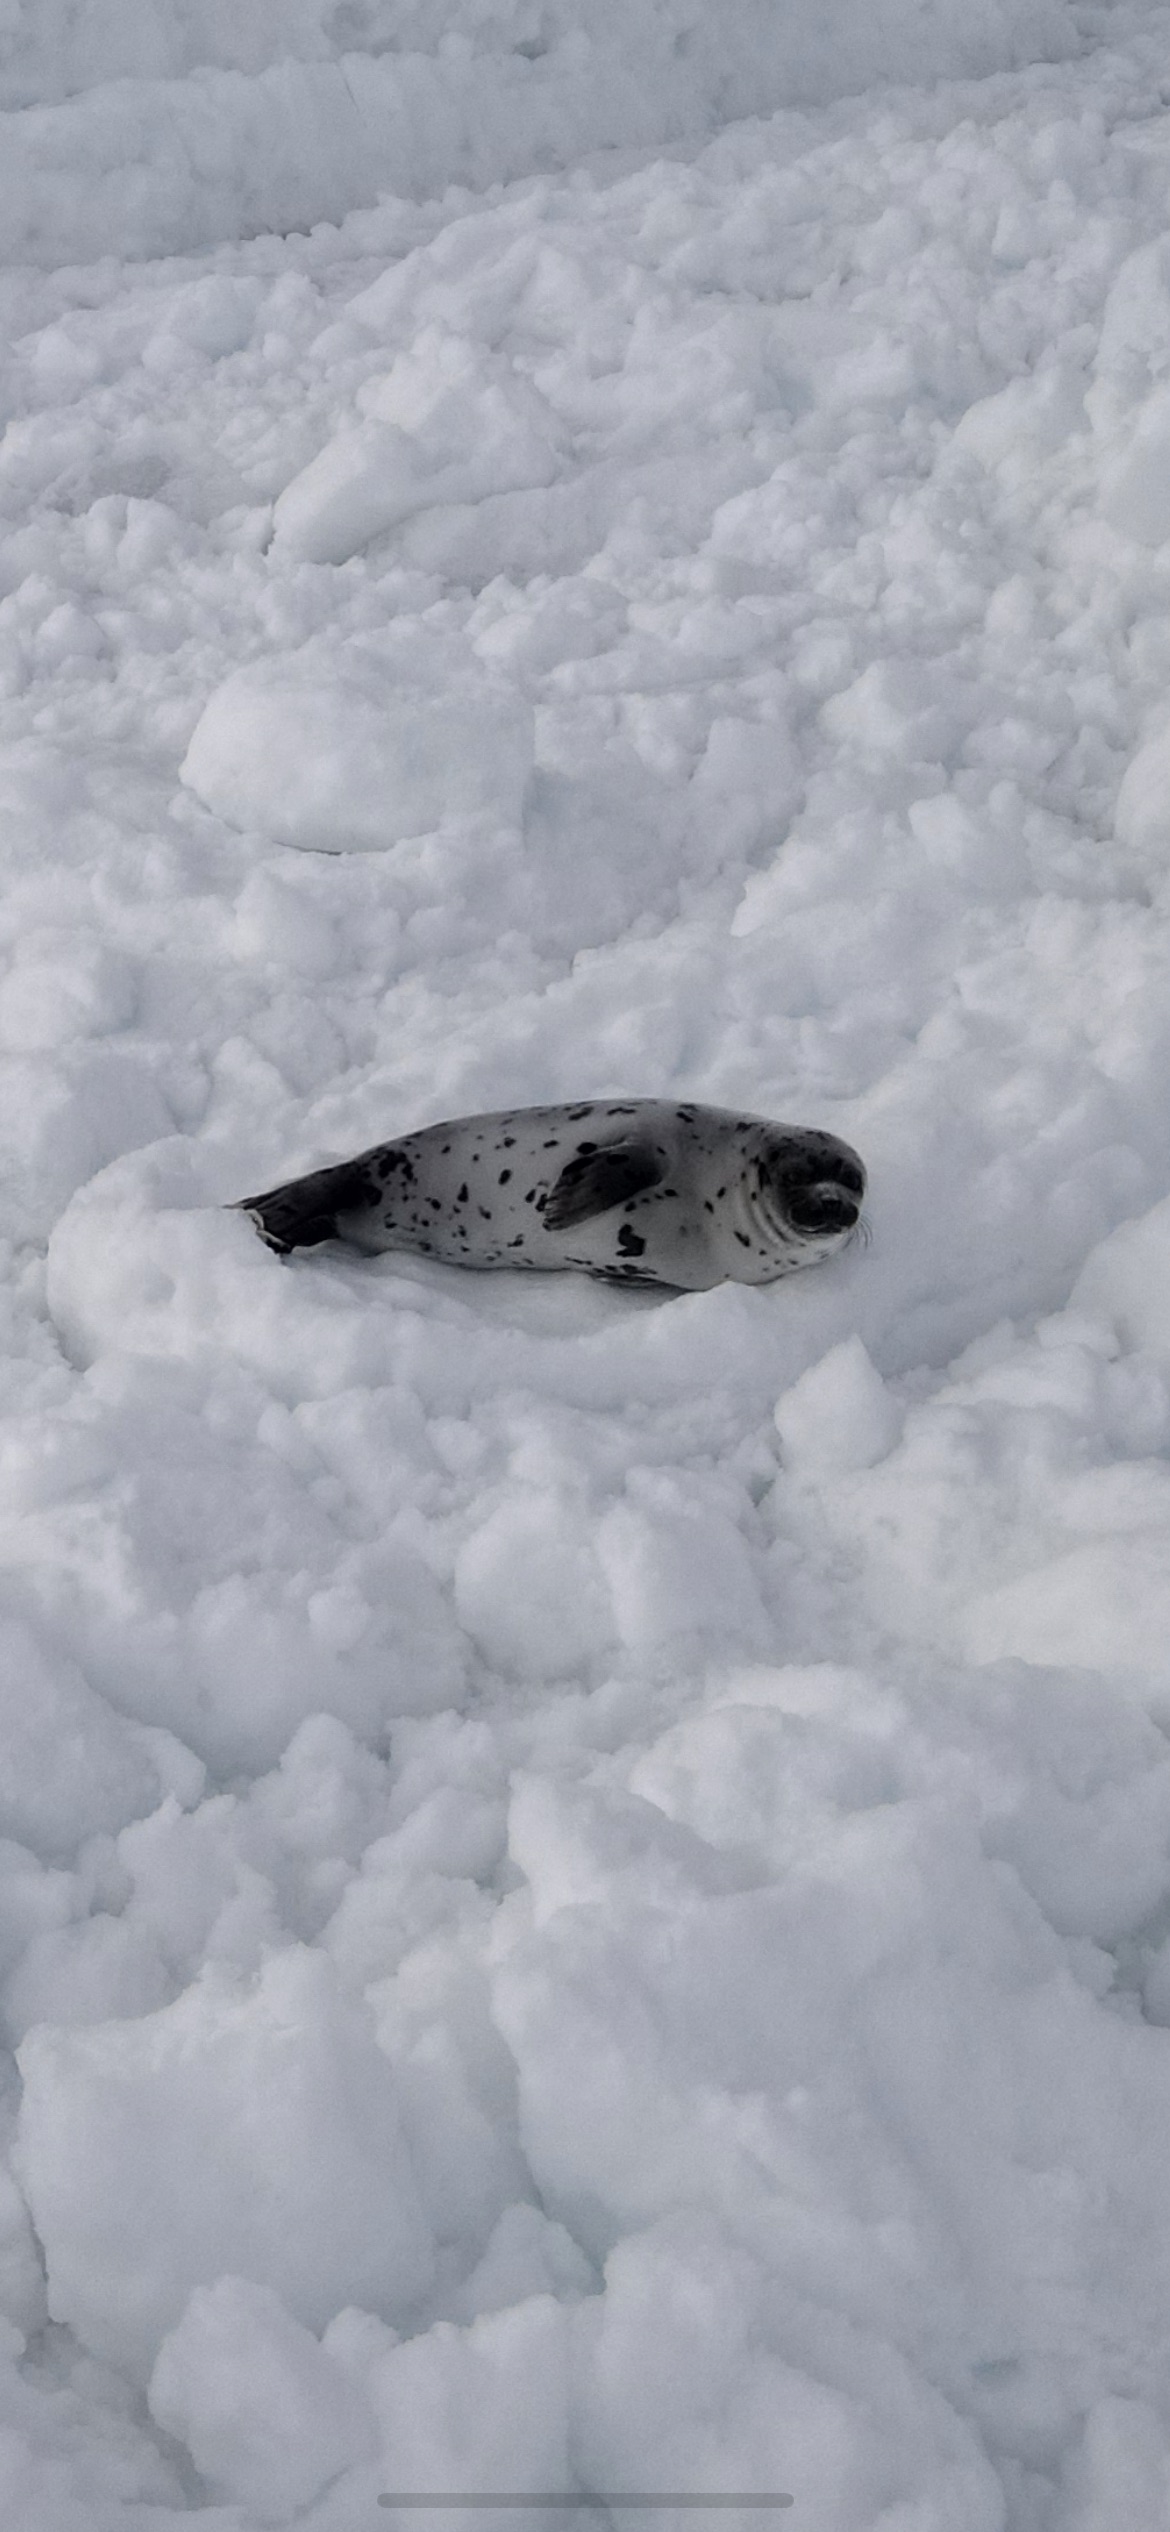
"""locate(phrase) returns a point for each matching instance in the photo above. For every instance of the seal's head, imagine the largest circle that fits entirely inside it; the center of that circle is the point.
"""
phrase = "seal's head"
(810, 1189)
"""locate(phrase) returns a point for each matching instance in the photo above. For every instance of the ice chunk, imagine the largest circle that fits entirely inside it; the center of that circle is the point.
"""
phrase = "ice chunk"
(265, 2414)
(249, 2127)
(1136, 490)
(1127, 1280)
(839, 1414)
(71, 1766)
(528, 1587)
(1142, 815)
(449, 423)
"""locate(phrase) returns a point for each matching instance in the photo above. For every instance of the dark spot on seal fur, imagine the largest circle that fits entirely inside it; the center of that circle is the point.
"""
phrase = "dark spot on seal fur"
(629, 1243)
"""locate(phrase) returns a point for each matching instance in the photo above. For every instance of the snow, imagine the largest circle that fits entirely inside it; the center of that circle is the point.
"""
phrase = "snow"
(446, 424)
(584, 1875)
(115, 2135)
(354, 749)
(299, 2420)
(185, 122)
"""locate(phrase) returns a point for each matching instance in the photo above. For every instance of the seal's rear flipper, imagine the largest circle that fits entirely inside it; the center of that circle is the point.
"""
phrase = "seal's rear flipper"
(305, 1211)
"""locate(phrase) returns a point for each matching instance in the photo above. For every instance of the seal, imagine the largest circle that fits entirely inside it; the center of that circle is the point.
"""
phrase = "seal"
(640, 1191)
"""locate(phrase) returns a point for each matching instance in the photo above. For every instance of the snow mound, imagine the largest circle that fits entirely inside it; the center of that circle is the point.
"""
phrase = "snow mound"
(264, 2412)
(839, 1414)
(239, 2082)
(447, 424)
(393, 739)
(1142, 815)
(1126, 1281)
(71, 1766)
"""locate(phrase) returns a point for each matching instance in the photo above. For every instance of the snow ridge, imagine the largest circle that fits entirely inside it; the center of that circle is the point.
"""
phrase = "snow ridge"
(161, 130)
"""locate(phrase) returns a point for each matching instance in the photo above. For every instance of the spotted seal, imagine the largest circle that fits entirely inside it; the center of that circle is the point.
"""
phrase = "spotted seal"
(640, 1191)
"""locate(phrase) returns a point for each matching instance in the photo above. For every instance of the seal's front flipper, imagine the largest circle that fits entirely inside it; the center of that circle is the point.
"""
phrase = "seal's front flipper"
(597, 1180)
(305, 1211)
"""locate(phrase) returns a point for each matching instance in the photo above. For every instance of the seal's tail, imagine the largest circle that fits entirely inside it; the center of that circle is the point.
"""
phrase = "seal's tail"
(306, 1211)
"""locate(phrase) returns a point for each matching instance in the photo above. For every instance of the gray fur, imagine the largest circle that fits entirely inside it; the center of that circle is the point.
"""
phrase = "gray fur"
(641, 1191)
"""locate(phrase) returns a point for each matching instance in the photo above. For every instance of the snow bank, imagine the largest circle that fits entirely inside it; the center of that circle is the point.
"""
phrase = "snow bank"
(174, 126)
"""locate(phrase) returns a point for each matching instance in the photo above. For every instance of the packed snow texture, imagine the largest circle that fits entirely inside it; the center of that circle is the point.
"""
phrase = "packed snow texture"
(173, 124)
(585, 1876)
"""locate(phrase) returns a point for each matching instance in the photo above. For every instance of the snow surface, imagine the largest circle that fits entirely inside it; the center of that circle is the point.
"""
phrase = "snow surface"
(585, 1876)
(151, 128)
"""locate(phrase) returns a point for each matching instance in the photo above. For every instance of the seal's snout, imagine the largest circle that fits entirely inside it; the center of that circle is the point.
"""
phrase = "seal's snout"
(825, 1207)
(822, 1192)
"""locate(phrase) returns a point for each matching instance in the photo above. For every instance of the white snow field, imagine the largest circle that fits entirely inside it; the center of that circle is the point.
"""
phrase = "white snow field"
(585, 1876)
